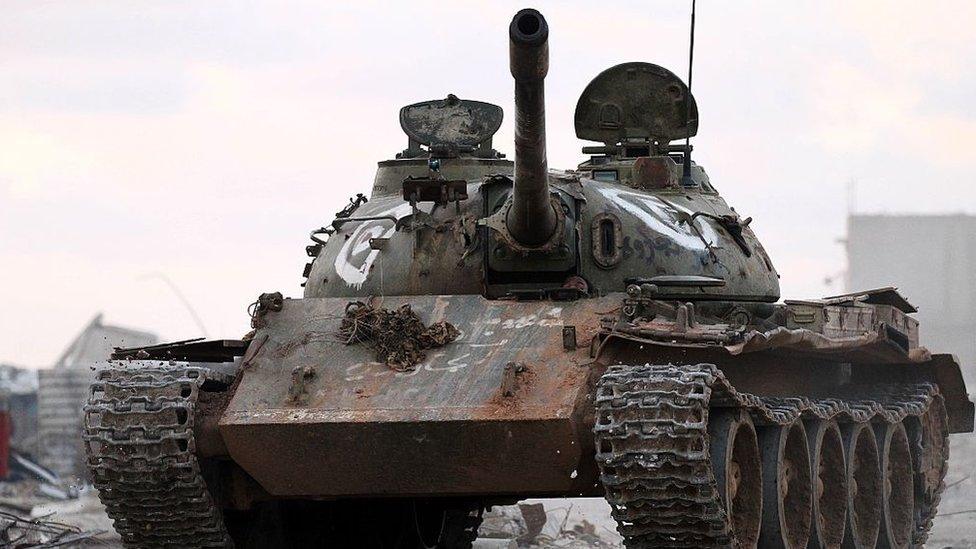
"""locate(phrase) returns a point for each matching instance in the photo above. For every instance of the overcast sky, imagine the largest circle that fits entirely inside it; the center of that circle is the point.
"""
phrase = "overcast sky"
(203, 140)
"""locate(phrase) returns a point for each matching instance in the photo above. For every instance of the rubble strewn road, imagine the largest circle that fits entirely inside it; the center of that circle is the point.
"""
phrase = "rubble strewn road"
(29, 519)
(571, 523)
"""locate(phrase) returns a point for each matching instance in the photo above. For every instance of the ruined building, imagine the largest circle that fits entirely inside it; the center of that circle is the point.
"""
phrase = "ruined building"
(63, 390)
(931, 258)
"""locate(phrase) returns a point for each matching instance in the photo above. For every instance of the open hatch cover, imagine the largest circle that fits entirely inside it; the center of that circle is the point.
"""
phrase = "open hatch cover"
(636, 101)
(452, 122)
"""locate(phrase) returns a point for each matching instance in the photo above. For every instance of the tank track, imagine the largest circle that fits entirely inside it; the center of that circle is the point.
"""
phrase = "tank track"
(652, 447)
(139, 440)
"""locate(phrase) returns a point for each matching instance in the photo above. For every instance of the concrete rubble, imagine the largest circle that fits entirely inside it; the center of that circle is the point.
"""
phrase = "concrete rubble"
(31, 518)
(39, 509)
(569, 523)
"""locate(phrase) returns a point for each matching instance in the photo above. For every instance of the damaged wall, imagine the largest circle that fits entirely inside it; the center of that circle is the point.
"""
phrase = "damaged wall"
(60, 399)
(63, 390)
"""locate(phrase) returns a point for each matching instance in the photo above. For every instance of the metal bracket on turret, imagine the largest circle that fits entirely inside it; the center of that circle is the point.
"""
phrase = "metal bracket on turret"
(496, 222)
(434, 189)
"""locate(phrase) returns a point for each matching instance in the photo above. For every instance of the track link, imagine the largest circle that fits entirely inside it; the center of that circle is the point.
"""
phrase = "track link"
(139, 440)
(652, 447)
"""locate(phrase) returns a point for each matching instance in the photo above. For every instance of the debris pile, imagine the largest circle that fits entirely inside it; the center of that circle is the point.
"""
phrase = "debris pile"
(31, 495)
(528, 525)
(399, 337)
(29, 480)
(17, 532)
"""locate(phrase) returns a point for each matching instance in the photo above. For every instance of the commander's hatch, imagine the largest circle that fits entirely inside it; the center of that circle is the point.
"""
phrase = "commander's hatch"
(636, 109)
(446, 128)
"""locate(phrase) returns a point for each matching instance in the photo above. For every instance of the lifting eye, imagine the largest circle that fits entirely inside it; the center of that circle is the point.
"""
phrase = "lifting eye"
(607, 240)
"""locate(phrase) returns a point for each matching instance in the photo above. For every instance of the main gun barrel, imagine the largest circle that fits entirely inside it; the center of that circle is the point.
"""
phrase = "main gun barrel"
(531, 219)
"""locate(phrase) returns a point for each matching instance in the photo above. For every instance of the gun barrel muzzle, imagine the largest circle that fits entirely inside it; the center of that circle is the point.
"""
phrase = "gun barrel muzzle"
(531, 219)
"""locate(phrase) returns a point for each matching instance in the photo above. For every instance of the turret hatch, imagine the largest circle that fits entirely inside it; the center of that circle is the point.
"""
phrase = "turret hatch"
(451, 126)
(636, 102)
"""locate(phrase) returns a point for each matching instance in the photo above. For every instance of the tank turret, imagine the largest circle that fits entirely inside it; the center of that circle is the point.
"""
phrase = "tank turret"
(531, 219)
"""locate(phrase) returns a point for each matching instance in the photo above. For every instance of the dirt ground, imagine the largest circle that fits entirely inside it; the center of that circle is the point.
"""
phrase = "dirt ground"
(955, 526)
(955, 531)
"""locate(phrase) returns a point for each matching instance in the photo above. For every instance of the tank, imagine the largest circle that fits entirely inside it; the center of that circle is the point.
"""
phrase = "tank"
(477, 331)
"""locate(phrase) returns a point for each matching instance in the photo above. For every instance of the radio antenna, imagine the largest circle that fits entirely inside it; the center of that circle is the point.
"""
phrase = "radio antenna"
(686, 179)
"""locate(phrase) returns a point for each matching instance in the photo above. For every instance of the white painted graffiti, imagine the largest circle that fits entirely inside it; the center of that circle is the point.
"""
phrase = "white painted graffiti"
(479, 354)
(361, 370)
(355, 258)
(552, 317)
(663, 218)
